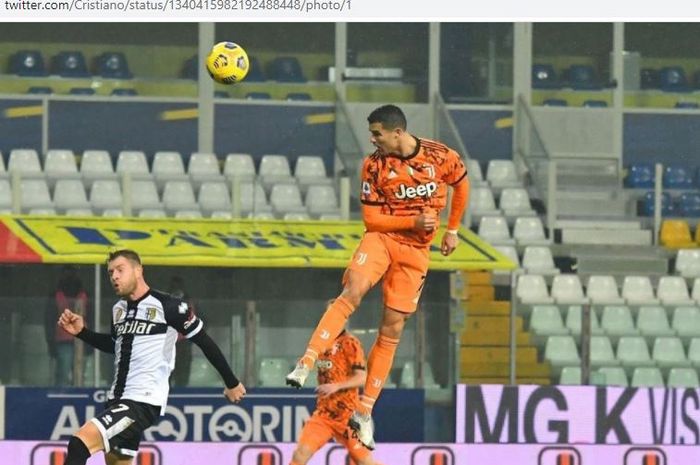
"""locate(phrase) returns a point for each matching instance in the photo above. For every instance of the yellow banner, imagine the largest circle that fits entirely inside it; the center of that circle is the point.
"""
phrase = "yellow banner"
(242, 243)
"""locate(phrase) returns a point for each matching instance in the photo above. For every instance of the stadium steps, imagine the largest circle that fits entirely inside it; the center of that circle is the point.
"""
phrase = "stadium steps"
(484, 341)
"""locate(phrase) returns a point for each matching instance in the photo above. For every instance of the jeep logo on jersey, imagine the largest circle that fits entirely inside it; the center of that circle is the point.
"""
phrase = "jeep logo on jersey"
(421, 190)
(134, 327)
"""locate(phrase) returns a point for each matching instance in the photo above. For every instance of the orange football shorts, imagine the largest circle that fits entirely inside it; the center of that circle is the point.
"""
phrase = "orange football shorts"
(318, 431)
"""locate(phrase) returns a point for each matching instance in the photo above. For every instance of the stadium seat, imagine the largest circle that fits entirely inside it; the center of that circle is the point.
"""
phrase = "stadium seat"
(672, 290)
(298, 96)
(528, 230)
(272, 371)
(94, 165)
(286, 198)
(677, 177)
(602, 352)
(570, 376)
(34, 194)
(561, 351)
(667, 206)
(113, 213)
(202, 373)
(694, 352)
(632, 351)
(134, 163)
(258, 96)
(27, 63)
(188, 214)
(555, 102)
(649, 78)
(502, 173)
(637, 290)
(309, 170)
(688, 263)
(514, 201)
(168, 166)
(69, 64)
(70, 194)
(113, 65)
(24, 161)
(539, 260)
(673, 79)
(546, 320)
(5, 195)
(640, 176)
(330, 217)
(239, 165)
(154, 213)
(647, 377)
(613, 376)
(595, 103)
(573, 321)
(286, 69)
(582, 77)
(602, 290)
(668, 352)
(512, 254)
(567, 289)
(79, 212)
(221, 94)
(144, 196)
(682, 377)
(221, 215)
(532, 289)
(652, 322)
(213, 197)
(476, 175)
(253, 198)
(494, 229)
(261, 215)
(296, 216)
(274, 169)
(124, 92)
(81, 91)
(689, 204)
(686, 322)
(40, 90)
(321, 199)
(675, 234)
(255, 73)
(60, 164)
(617, 321)
(178, 195)
(190, 68)
(106, 194)
(482, 203)
(203, 167)
(544, 77)
(686, 105)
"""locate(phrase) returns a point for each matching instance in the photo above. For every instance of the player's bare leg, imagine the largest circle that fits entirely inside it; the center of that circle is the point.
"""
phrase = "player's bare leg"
(86, 442)
(331, 324)
(115, 459)
(301, 455)
(380, 361)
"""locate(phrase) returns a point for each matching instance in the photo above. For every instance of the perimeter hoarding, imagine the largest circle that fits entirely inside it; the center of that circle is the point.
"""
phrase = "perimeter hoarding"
(240, 243)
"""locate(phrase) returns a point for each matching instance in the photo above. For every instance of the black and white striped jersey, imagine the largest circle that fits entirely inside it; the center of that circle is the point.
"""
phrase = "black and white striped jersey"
(145, 332)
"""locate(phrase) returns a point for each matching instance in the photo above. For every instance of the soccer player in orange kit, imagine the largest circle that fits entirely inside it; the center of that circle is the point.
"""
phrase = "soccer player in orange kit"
(341, 373)
(404, 188)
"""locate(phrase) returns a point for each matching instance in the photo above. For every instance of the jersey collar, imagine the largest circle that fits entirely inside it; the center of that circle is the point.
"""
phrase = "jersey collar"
(413, 154)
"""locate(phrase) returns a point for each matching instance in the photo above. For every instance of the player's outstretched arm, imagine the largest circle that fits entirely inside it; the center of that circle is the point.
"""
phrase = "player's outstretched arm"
(235, 391)
(74, 324)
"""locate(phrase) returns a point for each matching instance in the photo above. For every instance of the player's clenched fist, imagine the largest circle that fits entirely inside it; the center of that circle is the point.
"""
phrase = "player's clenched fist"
(71, 322)
(425, 222)
(235, 394)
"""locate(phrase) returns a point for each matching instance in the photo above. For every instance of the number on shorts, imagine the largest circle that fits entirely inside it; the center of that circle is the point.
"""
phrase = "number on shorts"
(120, 408)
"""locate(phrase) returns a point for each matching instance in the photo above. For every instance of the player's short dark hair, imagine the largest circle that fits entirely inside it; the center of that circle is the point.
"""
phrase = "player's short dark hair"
(390, 116)
(126, 253)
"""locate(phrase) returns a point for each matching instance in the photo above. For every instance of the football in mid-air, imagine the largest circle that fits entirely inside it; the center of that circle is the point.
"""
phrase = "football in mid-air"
(227, 63)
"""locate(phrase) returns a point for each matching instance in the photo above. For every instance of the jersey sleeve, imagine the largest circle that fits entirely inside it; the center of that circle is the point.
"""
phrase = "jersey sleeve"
(355, 354)
(369, 177)
(453, 168)
(181, 316)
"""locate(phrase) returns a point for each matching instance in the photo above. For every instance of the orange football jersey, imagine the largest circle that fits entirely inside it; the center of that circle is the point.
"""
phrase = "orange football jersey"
(337, 365)
(408, 186)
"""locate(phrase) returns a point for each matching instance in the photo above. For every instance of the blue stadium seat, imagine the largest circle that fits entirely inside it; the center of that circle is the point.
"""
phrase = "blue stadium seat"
(640, 175)
(555, 102)
(190, 69)
(595, 103)
(124, 92)
(544, 77)
(686, 105)
(221, 94)
(258, 96)
(113, 65)
(689, 204)
(649, 78)
(672, 79)
(27, 63)
(82, 91)
(298, 96)
(647, 207)
(40, 90)
(677, 177)
(582, 77)
(286, 69)
(255, 73)
(70, 64)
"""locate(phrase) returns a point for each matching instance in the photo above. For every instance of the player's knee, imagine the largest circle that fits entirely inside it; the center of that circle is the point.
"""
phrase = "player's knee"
(301, 455)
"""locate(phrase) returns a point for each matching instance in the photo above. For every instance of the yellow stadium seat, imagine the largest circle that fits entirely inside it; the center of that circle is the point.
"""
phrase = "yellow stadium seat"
(675, 234)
